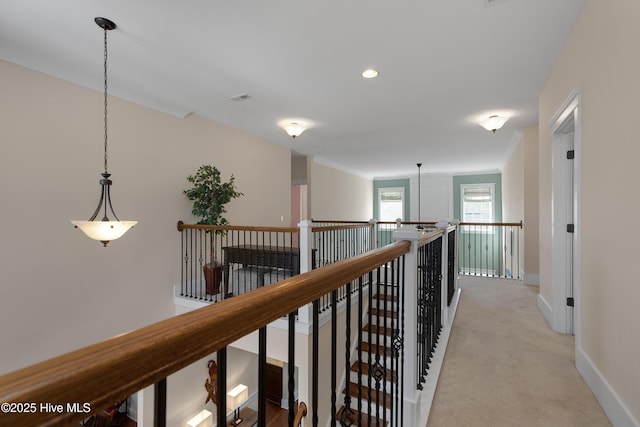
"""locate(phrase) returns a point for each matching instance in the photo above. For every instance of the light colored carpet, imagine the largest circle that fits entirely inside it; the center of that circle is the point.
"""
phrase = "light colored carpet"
(504, 366)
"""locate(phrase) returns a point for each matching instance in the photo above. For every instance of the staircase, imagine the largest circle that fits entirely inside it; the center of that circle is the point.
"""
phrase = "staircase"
(373, 395)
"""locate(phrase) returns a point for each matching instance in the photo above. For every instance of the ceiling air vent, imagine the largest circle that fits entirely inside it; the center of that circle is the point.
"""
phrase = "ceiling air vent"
(493, 2)
(240, 98)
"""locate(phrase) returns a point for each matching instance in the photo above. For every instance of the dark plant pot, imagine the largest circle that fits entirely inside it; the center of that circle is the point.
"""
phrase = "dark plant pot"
(212, 277)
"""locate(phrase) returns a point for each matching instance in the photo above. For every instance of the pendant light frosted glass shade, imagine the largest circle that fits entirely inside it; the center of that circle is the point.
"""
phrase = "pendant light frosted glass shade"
(294, 129)
(104, 231)
(494, 123)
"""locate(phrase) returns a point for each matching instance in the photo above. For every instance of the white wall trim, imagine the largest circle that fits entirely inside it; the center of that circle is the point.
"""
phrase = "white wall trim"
(613, 406)
(546, 310)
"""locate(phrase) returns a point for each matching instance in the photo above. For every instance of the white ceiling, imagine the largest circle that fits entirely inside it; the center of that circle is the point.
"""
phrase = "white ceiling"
(444, 65)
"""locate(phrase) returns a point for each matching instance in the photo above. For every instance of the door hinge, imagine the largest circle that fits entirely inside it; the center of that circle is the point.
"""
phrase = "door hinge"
(571, 154)
(570, 302)
(570, 228)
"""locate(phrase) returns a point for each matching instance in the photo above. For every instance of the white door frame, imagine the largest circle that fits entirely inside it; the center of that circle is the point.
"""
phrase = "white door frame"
(567, 119)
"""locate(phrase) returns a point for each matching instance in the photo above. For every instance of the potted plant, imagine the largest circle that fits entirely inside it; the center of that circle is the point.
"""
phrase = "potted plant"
(210, 195)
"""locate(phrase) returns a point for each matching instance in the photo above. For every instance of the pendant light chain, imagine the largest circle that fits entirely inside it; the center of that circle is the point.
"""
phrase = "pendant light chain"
(105, 102)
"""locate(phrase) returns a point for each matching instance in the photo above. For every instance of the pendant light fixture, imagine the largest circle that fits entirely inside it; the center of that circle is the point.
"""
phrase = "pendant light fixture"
(293, 129)
(494, 122)
(104, 229)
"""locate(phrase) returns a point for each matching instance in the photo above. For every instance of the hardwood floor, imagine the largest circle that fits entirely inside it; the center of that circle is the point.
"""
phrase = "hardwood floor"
(276, 416)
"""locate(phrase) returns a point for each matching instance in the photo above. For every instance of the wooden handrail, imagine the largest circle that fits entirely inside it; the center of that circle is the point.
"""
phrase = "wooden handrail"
(507, 224)
(503, 224)
(339, 221)
(302, 412)
(408, 222)
(182, 226)
(111, 370)
(429, 237)
(339, 227)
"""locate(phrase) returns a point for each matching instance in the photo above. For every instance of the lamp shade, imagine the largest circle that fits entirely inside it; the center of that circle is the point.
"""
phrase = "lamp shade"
(294, 129)
(237, 396)
(203, 419)
(104, 231)
(494, 123)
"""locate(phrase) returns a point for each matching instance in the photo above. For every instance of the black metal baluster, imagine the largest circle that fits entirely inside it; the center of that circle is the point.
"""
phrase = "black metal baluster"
(314, 363)
(369, 341)
(359, 347)
(201, 291)
(385, 368)
(183, 270)
(422, 313)
(193, 261)
(160, 403)
(221, 404)
(291, 367)
(377, 365)
(346, 413)
(262, 369)
(334, 369)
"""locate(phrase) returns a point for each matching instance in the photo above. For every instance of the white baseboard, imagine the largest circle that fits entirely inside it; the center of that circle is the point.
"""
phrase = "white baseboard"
(545, 309)
(613, 406)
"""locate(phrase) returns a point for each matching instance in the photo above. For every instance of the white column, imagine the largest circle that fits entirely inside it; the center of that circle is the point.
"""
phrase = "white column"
(409, 279)
(373, 235)
(306, 264)
(444, 272)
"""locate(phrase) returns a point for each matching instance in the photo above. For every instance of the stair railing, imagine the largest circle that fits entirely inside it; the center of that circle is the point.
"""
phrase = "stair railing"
(111, 370)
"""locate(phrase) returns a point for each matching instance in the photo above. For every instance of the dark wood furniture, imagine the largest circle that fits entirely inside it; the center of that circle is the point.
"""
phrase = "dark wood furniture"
(284, 257)
(273, 381)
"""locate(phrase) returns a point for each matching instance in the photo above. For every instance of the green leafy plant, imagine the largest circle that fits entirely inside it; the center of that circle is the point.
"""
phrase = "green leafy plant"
(209, 195)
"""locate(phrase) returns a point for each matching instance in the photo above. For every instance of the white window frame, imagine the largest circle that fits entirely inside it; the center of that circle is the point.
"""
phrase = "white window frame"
(492, 213)
(402, 201)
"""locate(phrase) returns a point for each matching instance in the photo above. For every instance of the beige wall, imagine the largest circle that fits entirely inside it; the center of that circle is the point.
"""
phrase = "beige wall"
(513, 197)
(520, 200)
(601, 58)
(513, 186)
(531, 205)
(338, 195)
(59, 290)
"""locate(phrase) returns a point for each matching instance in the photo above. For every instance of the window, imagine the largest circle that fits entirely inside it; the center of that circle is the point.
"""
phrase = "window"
(390, 204)
(477, 202)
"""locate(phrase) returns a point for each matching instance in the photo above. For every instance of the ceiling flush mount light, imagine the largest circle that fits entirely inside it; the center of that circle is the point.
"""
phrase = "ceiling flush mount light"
(293, 129)
(105, 229)
(370, 73)
(493, 123)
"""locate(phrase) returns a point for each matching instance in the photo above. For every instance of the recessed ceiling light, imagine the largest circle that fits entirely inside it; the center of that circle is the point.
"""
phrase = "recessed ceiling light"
(370, 73)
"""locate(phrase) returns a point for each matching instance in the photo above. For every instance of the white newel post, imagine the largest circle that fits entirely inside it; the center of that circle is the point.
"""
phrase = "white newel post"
(444, 272)
(411, 402)
(373, 235)
(305, 317)
(306, 263)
